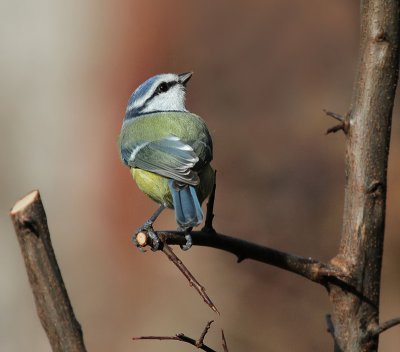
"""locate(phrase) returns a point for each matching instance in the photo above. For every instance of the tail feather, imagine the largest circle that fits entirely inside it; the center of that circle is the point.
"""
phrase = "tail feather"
(186, 203)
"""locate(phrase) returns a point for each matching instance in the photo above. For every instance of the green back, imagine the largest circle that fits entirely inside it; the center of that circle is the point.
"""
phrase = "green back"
(189, 127)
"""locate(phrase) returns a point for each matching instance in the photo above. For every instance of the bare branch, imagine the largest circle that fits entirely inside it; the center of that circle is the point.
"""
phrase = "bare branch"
(334, 115)
(384, 326)
(208, 225)
(224, 345)
(200, 341)
(192, 281)
(344, 123)
(367, 148)
(51, 298)
(309, 268)
(331, 329)
(182, 337)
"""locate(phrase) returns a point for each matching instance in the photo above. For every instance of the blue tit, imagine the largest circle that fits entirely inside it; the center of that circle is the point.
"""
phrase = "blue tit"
(168, 150)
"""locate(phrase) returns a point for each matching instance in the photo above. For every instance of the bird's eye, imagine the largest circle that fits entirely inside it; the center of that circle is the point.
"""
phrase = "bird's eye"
(163, 87)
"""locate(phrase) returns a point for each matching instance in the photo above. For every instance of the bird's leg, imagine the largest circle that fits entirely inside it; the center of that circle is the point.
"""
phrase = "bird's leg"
(148, 228)
(188, 237)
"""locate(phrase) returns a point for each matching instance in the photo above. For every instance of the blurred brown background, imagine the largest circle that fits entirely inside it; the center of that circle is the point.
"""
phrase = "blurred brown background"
(264, 70)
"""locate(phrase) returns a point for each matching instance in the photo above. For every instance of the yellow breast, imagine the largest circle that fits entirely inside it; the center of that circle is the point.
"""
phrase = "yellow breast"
(155, 186)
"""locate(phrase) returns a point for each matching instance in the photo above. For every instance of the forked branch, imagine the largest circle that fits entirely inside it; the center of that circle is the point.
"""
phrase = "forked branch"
(309, 268)
(199, 343)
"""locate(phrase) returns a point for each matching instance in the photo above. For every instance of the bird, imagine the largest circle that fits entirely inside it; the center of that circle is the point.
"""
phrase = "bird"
(168, 151)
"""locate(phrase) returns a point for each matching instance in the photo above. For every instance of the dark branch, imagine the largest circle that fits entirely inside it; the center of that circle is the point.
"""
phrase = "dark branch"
(183, 338)
(366, 163)
(331, 330)
(200, 341)
(334, 115)
(309, 268)
(51, 298)
(384, 326)
(224, 345)
(208, 225)
(344, 124)
(192, 281)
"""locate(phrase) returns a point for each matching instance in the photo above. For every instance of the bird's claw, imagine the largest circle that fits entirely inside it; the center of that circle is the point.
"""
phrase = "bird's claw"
(188, 243)
(155, 241)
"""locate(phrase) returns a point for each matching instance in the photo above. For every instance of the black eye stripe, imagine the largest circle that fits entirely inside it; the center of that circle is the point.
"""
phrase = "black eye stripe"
(164, 87)
(157, 92)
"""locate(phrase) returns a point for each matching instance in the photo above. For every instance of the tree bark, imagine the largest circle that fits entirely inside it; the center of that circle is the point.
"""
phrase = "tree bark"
(356, 300)
(51, 298)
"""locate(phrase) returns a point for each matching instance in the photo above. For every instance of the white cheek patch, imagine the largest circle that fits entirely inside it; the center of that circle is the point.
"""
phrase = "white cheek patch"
(172, 100)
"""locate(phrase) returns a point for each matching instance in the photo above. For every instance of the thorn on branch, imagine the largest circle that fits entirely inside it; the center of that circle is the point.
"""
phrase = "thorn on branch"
(240, 258)
(344, 124)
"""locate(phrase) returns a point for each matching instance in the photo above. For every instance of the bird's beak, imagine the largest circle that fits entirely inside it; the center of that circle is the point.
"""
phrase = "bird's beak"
(184, 77)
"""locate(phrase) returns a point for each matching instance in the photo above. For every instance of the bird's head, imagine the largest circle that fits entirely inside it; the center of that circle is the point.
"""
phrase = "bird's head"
(164, 92)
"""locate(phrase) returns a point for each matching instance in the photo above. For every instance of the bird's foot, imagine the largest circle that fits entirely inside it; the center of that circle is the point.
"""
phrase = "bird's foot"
(188, 237)
(147, 228)
(188, 243)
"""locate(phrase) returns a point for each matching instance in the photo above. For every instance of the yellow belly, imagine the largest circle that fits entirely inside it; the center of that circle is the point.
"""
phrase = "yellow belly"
(156, 186)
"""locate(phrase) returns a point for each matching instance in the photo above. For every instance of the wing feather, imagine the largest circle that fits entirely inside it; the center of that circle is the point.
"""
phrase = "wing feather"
(169, 157)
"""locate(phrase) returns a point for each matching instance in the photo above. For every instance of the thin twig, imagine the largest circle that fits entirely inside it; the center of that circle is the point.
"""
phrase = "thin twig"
(51, 298)
(200, 341)
(344, 124)
(224, 345)
(182, 337)
(336, 128)
(334, 115)
(309, 268)
(384, 326)
(331, 329)
(192, 281)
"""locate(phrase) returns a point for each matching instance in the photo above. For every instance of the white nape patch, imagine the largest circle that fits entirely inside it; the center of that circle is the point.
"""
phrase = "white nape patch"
(136, 150)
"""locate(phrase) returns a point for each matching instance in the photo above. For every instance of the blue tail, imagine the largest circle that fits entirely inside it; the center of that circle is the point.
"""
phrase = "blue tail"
(187, 206)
